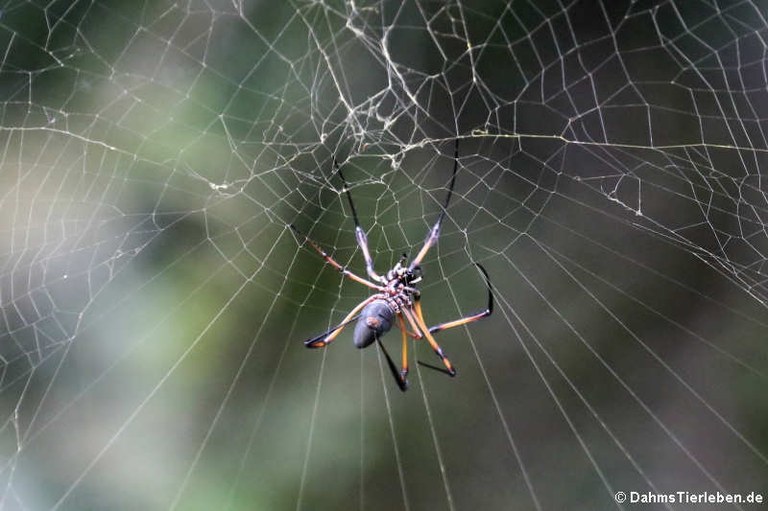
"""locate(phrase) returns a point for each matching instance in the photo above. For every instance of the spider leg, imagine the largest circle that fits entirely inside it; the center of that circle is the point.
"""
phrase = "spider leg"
(400, 377)
(416, 332)
(335, 264)
(419, 317)
(402, 384)
(434, 232)
(404, 349)
(362, 239)
(474, 317)
(326, 338)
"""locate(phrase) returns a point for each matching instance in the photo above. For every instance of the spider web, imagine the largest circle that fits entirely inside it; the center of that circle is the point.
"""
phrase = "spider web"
(154, 300)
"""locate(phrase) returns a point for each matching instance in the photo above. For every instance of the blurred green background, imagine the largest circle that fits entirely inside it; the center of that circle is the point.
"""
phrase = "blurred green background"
(155, 302)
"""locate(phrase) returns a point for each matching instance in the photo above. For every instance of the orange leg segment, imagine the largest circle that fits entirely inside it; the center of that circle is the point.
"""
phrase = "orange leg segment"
(419, 317)
(323, 340)
(404, 369)
(330, 260)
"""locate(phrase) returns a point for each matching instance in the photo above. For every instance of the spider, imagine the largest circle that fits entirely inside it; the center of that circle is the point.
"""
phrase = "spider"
(397, 299)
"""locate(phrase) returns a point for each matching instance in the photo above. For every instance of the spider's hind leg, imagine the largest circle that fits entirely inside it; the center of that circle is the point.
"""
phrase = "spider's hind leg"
(418, 317)
(474, 317)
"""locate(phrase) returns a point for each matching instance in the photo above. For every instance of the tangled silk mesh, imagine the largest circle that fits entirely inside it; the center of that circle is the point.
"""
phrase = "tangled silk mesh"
(154, 300)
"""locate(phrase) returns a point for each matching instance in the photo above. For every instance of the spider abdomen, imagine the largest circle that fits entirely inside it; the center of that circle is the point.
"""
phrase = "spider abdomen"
(375, 320)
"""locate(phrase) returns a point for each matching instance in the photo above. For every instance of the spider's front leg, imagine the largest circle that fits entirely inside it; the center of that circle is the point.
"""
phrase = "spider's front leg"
(434, 232)
(330, 260)
(360, 236)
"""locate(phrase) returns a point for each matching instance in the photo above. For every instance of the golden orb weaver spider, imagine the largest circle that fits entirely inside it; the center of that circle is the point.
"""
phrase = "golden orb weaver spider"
(396, 298)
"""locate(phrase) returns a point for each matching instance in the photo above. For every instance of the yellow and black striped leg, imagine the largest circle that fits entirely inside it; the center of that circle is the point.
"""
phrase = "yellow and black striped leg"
(434, 233)
(324, 339)
(474, 317)
(330, 260)
(419, 316)
(404, 350)
(458, 322)
(401, 382)
(362, 239)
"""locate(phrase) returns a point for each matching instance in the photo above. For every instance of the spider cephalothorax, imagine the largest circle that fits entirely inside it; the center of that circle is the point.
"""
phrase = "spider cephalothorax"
(401, 274)
(396, 297)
